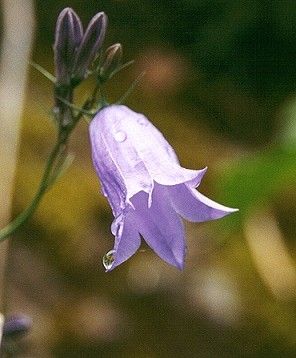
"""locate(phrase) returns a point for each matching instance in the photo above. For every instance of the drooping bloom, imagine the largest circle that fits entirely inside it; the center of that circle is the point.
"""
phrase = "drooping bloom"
(149, 192)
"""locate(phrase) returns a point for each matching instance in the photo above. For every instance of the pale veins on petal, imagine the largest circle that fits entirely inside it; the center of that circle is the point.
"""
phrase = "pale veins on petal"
(147, 188)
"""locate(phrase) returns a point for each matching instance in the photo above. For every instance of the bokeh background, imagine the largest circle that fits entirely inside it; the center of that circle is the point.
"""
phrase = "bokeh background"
(220, 85)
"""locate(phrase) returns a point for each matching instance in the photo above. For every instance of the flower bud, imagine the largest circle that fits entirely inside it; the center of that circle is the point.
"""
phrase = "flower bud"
(16, 326)
(89, 46)
(111, 61)
(67, 37)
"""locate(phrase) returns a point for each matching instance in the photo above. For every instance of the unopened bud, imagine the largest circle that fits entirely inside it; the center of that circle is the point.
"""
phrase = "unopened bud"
(89, 46)
(68, 36)
(111, 61)
(16, 326)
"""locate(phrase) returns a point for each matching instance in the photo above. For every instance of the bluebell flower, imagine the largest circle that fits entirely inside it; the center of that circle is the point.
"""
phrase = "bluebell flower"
(148, 191)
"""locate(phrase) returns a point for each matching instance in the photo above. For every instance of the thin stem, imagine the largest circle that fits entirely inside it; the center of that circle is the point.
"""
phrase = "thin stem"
(90, 102)
(103, 101)
(97, 90)
(131, 88)
(6, 277)
(25, 215)
(122, 67)
(47, 180)
(43, 71)
(71, 105)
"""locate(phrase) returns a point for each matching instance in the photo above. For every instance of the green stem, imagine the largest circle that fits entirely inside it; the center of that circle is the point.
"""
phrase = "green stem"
(47, 179)
(90, 102)
(131, 88)
(25, 215)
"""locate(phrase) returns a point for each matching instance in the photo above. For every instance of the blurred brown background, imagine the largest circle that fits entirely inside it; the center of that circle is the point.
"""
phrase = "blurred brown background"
(220, 85)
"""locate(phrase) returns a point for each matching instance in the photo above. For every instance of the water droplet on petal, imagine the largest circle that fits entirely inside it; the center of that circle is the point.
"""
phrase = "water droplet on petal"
(108, 259)
(120, 136)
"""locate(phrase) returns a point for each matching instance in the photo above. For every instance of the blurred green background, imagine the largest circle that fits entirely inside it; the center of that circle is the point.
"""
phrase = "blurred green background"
(220, 85)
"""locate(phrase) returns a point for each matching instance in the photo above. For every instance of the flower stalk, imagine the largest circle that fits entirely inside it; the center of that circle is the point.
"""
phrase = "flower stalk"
(74, 52)
(26, 214)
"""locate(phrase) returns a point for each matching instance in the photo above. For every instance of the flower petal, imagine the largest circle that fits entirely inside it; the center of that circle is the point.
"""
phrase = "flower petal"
(160, 226)
(115, 151)
(156, 153)
(113, 185)
(194, 206)
(146, 186)
(134, 141)
(127, 241)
